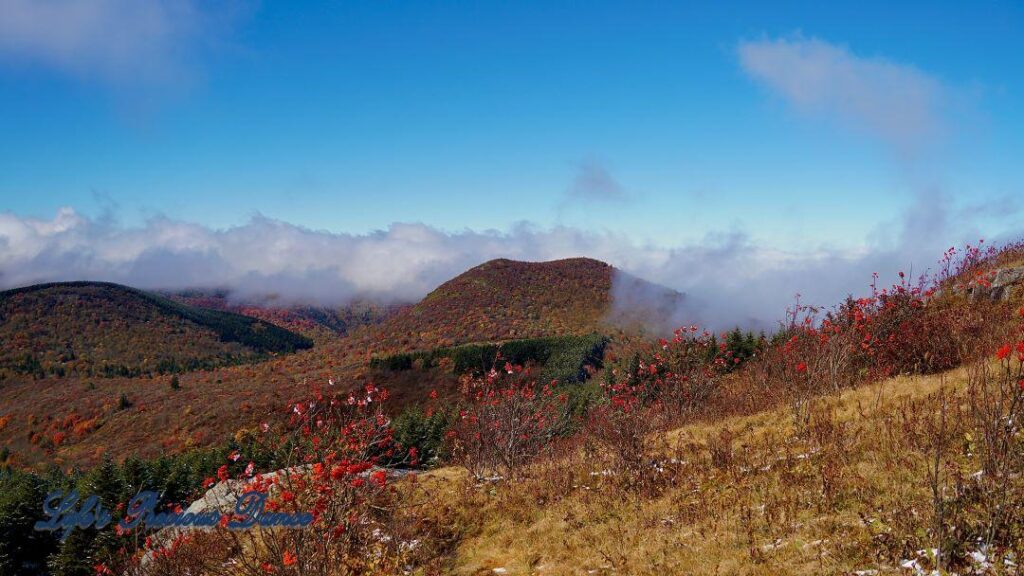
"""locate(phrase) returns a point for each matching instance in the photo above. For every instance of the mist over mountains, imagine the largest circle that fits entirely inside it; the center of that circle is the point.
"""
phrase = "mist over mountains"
(728, 279)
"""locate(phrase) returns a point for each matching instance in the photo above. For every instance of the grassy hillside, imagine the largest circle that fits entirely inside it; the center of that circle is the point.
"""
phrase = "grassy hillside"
(843, 446)
(100, 329)
(758, 494)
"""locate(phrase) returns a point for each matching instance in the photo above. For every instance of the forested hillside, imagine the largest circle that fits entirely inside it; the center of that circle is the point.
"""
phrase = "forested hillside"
(103, 330)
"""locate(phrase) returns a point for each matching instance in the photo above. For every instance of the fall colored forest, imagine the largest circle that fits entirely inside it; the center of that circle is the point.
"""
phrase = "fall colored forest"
(513, 405)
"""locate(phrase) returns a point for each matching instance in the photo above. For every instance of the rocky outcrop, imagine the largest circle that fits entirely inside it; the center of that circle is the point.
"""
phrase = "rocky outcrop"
(223, 497)
(1004, 285)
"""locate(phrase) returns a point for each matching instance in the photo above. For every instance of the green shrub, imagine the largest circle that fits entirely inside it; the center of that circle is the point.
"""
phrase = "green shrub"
(413, 428)
(563, 358)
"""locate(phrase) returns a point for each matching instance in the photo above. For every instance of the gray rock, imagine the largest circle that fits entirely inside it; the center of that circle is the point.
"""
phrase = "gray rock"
(224, 495)
(1006, 282)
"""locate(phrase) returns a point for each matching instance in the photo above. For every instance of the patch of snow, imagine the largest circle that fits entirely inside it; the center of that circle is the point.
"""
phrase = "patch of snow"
(918, 568)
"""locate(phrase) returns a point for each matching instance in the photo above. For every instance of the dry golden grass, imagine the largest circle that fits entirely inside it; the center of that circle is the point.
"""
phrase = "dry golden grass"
(752, 495)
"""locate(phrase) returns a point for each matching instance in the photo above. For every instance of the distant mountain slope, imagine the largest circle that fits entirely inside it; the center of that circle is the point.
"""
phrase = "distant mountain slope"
(102, 329)
(497, 301)
(318, 322)
(506, 299)
(637, 303)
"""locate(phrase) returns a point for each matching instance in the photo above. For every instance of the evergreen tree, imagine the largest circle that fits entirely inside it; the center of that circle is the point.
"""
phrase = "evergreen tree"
(23, 550)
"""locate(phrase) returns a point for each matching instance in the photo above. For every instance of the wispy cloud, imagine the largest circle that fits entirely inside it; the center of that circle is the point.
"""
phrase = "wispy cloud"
(593, 182)
(125, 43)
(895, 102)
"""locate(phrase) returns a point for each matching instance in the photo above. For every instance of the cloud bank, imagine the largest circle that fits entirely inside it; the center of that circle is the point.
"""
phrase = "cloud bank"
(729, 279)
(896, 102)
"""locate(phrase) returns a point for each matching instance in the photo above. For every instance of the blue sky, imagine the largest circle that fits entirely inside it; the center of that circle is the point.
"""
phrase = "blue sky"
(348, 116)
(645, 129)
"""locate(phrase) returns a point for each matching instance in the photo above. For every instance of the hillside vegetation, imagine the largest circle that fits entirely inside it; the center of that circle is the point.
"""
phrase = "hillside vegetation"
(847, 492)
(505, 300)
(320, 323)
(563, 358)
(212, 404)
(100, 329)
(882, 436)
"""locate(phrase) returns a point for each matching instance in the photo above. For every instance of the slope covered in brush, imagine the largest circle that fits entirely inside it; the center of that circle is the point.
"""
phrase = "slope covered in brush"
(318, 322)
(102, 329)
(506, 299)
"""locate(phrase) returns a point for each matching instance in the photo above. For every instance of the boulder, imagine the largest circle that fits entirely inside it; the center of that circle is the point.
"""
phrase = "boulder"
(1005, 283)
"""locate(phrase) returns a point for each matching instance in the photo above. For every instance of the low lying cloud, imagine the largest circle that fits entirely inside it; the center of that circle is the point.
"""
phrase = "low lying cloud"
(896, 102)
(728, 279)
(403, 262)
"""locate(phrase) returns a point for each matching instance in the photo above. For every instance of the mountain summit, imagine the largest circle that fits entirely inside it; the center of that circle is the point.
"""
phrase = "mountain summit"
(506, 299)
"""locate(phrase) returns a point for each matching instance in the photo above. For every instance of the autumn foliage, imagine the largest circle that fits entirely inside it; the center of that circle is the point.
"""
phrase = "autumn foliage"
(505, 419)
(525, 440)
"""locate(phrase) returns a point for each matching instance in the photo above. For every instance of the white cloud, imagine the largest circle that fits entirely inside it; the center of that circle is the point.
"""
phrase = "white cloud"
(729, 278)
(121, 42)
(895, 102)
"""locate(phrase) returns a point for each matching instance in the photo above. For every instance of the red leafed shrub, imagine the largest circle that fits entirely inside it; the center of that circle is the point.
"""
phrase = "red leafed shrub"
(680, 373)
(996, 396)
(905, 329)
(926, 327)
(336, 446)
(677, 378)
(506, 419)
(339, 444)
(905, 332)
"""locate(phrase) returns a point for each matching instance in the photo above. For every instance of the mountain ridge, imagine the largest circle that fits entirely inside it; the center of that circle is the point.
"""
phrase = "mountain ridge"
(104, 328)
(559, 298)
(504, 299)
